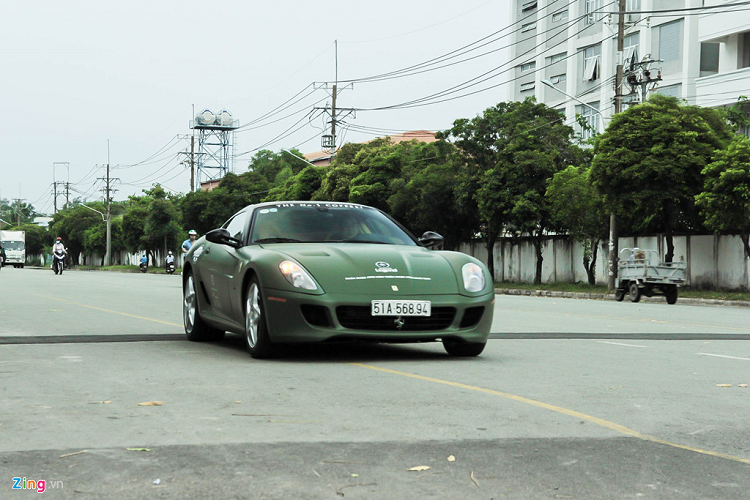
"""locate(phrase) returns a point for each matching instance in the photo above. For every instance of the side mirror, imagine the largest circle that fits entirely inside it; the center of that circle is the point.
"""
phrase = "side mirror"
(431, 239)
(221, 236)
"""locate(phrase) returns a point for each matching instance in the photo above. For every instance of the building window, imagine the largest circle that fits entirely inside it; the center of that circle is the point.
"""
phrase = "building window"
(528, 67)
(669, 41)
(744, 59)
(630, 49)
(593, 8)
(632, 5)
(528, 6)
(560, 16)
(671, 91)
(557, 57)
(528, 27)
(591, 68)
(527, 86)
(590, 114)
(709, 59)
(558, 79)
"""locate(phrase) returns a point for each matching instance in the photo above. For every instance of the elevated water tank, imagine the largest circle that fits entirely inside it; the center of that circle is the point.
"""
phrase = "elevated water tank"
(205, 117)
(224, 118)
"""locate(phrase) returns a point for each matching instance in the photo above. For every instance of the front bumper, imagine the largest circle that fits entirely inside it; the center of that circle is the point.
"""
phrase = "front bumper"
(298, 317)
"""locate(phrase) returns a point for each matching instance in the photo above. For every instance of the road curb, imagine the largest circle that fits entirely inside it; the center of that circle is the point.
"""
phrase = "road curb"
(611, 296)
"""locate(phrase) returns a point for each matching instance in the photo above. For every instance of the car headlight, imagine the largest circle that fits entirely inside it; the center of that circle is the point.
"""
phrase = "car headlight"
(296, 276)
(473, 277)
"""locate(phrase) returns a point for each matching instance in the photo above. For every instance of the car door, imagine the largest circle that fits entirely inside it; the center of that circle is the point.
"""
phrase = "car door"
(224, 264)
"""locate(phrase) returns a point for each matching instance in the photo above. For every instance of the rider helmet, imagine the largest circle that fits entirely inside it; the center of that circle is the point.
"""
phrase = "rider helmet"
(59, 239)
(192, 232)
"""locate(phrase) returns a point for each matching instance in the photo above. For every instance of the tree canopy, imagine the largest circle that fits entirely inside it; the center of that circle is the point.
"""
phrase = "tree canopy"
(648, 164)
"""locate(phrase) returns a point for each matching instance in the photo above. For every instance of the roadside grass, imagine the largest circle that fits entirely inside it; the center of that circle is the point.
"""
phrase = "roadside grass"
(686, 292)
(126, 269)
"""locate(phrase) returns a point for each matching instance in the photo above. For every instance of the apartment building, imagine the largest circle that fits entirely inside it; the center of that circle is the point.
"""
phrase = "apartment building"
(673, 47)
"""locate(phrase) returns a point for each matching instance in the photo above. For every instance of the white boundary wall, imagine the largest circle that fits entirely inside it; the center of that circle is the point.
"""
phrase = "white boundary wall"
(713, 261)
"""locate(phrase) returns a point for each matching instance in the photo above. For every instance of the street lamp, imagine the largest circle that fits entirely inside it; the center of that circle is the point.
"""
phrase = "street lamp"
(548, 83)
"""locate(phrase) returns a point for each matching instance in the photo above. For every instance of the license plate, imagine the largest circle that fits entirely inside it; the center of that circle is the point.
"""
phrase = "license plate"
(400, 308)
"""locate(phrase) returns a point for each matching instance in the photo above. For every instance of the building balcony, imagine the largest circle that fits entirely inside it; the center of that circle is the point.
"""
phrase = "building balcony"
(715, 27)
(722, 88)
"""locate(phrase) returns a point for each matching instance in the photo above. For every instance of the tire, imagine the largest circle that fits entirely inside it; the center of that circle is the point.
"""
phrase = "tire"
(671, 294)
(619, 294)
(196, 329)
(257, 340)
(463, 349)
(634, 292)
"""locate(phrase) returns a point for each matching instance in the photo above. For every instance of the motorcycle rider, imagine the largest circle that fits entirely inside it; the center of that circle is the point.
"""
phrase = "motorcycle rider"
(169, 260)
(192, 235)
(59, 252)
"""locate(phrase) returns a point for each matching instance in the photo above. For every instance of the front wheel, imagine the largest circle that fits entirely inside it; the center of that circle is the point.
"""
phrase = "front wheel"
(463, 349)
(257, 340)
(635, 292)
(619, 294)
(196, 329)
(671, 294)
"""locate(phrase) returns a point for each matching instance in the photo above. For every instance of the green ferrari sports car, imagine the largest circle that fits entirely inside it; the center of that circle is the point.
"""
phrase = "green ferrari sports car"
(293, 272)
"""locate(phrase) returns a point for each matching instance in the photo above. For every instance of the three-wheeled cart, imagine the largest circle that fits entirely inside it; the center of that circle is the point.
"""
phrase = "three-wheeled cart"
(643, 273)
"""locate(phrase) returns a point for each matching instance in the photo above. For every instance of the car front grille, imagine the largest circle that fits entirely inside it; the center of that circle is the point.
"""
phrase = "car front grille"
(360, 318)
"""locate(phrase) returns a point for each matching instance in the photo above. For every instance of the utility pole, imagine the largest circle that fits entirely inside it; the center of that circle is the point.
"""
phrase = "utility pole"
(613, 236)
(18, 210)
(108, 191)
(54, 192)
(329, 141)
(67, 195)
(192, 163)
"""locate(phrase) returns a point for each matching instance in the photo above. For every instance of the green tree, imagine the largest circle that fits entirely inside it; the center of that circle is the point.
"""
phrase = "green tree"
(11, 211)
(206, 210)
(270, 164)
(506, 157)
(300, 187)
(578, 210)
(648, 163)
(725, 200)
(162, 229)
(71, 225)
(38, 239)
(423, 197)
(95, 238)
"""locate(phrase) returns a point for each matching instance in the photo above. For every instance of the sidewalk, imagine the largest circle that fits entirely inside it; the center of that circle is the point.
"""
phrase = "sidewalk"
(611, 296)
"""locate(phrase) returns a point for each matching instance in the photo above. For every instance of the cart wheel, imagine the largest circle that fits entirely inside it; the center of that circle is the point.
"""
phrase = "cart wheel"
(635, 292)
(671, 294)
(619, 294)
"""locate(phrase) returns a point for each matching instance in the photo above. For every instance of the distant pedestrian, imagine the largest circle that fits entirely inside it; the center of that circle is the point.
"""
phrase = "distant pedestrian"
(2, 256)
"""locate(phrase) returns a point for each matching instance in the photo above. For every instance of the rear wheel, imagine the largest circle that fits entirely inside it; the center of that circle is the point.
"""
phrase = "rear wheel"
(257, 341)
(195, 328)
(671, 294)
(463, 349)
(619, 294)
(635, 292)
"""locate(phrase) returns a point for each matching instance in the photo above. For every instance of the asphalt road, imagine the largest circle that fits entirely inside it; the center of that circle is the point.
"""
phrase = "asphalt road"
(571, 399)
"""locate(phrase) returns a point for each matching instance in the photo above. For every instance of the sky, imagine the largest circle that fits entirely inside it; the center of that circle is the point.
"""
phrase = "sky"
(86, 83)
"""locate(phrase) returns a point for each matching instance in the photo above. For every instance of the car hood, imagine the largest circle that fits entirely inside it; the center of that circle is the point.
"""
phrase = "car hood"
(354, 268)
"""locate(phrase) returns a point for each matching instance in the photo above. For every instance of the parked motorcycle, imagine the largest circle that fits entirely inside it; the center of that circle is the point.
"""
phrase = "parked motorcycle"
(58, 261)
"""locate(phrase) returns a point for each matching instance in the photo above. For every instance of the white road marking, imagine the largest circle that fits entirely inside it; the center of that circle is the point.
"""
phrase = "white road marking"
(721, 356)
(617, 343)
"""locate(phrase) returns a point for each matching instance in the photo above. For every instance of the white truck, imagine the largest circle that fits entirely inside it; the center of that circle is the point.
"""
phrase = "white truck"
(14, 243)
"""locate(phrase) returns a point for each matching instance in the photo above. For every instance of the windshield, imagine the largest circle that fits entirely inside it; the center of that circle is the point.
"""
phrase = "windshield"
(325, 223)
(13, 245)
